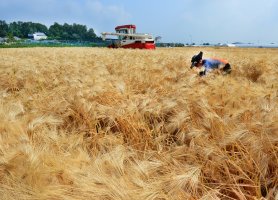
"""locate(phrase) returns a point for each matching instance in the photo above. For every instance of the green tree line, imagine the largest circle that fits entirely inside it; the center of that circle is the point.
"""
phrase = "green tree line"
(56, 31)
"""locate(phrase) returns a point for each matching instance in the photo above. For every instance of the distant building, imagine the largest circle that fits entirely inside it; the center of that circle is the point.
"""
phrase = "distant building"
(37, 36)
(226, 45)
(231, 45)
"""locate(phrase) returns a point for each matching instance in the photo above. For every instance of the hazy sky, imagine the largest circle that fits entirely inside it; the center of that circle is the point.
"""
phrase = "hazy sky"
(175, 21)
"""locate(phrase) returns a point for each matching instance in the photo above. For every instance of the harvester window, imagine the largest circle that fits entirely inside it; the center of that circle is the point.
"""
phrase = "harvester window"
(123, 31)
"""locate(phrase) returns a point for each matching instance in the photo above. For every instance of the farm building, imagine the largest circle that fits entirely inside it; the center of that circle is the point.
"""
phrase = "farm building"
(37, 36)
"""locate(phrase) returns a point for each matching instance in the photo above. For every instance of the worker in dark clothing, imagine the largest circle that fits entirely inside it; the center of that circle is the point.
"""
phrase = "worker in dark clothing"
(210, 64)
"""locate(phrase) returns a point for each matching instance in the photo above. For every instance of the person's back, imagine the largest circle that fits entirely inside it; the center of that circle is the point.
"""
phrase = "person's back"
(213, 63)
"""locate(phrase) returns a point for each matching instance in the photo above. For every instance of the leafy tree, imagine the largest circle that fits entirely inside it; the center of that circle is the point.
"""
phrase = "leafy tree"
(10, 38)
(22, 29)
(4, 28)
(90, 35)
(62, 32)
(71, 32)
(41, 28)
(79, 32)
(26, 29)
(30, 27)
(56, 30)
(15, 29)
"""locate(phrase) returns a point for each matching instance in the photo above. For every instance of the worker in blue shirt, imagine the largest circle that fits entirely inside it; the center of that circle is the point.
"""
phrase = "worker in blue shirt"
(210, 64)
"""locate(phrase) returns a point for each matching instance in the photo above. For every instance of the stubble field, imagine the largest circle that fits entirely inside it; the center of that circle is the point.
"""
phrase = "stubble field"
(97, 123)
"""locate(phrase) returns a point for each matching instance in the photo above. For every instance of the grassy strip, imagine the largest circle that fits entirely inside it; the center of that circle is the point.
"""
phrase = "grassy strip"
(23, 45)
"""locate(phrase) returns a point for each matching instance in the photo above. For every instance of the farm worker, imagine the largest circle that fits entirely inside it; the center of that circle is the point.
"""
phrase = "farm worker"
(210, 64)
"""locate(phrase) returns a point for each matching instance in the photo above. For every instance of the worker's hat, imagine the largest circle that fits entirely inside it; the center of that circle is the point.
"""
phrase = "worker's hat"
(196, 59)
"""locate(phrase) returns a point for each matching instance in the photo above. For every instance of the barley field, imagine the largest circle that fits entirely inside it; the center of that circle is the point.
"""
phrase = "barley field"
(97, 123)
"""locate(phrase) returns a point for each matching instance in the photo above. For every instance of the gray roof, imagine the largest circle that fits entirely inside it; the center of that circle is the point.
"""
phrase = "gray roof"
(40, 34)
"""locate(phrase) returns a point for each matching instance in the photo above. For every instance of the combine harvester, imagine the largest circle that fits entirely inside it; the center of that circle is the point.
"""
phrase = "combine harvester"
(128, 38)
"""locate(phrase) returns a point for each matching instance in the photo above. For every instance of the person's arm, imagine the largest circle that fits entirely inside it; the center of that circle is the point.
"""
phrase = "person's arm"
(203, 73)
